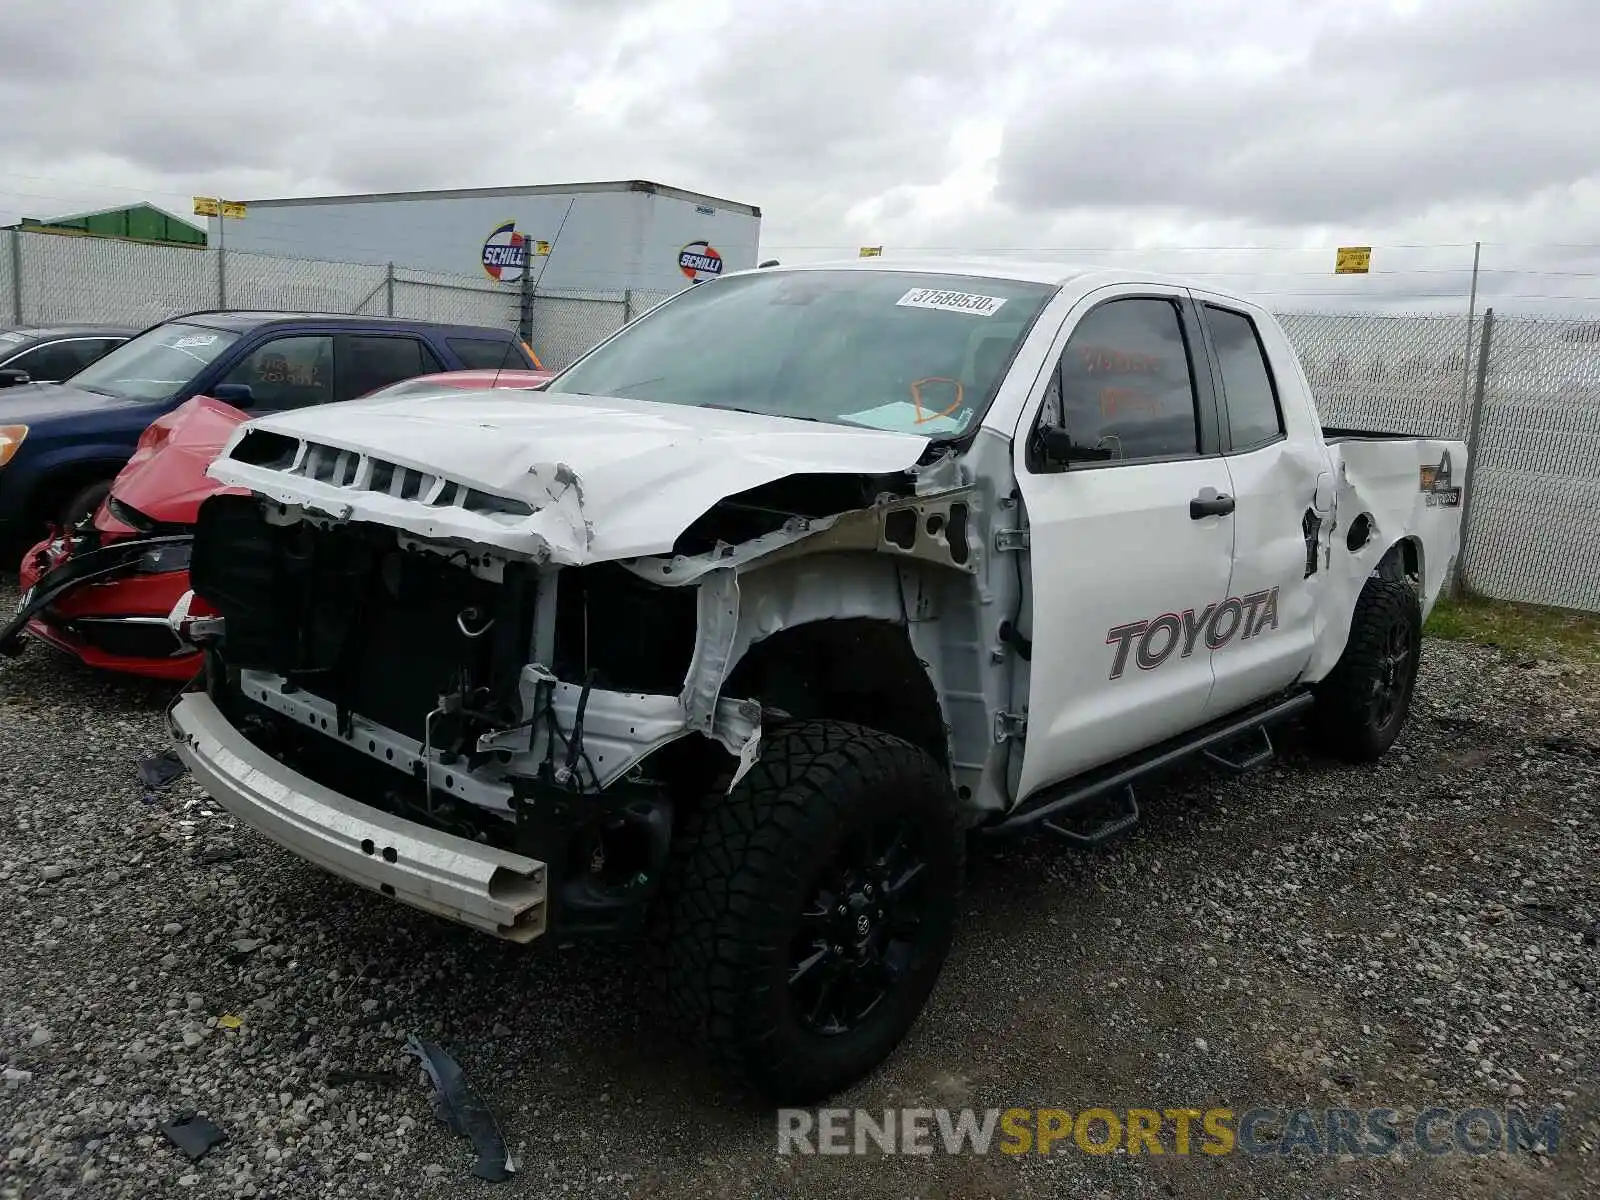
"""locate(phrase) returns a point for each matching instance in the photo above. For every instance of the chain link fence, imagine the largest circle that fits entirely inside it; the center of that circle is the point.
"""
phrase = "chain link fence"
(263, 281)
(566, 323)
(432, 296)
(1531, 416)
(1529, 412)
(64, 280)
(1399, 374)
(1534, 520)
(51, 279)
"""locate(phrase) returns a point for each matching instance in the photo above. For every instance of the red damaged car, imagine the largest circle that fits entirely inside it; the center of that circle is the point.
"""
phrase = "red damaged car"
(114, 592)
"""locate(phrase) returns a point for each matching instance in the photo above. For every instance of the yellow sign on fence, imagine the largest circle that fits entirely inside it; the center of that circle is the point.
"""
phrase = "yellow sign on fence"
(210, 206)
(541, 249)
(871, 251)
(1352, 260)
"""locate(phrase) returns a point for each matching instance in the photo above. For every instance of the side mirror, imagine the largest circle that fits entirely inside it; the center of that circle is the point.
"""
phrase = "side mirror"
(12, 377)
(237, 394)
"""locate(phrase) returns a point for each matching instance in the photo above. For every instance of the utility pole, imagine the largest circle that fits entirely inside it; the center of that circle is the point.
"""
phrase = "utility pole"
(1474, 440)
(16, 275)
(222, 210)
(530, 281)
(1472, 305)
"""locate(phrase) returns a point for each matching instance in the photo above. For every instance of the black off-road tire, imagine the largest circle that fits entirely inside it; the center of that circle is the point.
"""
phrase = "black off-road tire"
(746, 866)
(1363, 703)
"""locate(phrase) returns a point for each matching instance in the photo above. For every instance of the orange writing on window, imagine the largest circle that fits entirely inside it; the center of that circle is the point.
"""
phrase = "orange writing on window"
(924, 413)
(278, 369)
(1107, 360)
(1116, 401)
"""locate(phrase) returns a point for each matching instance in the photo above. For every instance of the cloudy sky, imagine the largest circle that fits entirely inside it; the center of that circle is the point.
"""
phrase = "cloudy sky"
(1239, 140)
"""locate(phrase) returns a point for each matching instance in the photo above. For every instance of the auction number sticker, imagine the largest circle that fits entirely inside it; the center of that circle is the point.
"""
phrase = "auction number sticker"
(199, 339)
(961, 302)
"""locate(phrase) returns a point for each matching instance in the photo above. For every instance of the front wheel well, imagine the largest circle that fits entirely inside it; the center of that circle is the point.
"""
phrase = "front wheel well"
(65, 482)
(860, 670)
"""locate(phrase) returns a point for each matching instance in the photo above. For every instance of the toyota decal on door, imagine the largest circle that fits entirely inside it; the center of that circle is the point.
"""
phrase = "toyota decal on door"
(1152, 642)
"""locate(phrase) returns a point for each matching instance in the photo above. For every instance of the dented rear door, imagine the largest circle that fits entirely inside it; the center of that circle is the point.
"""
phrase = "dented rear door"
(1276, 458)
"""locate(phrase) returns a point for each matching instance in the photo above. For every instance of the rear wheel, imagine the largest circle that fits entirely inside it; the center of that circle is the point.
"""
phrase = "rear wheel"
(1363, 703)
(809, 911)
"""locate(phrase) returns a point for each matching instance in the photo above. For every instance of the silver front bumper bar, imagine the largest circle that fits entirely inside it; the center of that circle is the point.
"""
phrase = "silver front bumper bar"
(491, 890)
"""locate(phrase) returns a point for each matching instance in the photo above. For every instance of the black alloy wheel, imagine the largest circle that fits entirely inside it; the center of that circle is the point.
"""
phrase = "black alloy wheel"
(857, 935)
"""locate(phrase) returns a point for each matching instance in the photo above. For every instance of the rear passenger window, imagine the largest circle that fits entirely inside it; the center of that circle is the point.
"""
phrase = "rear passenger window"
(481, 354)
(1250, 398)
(374, 362)
(1126, 388)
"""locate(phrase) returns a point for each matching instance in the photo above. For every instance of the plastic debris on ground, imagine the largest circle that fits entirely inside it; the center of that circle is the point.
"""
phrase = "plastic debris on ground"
(193, 1134)
(460, 1108)
(157, 771)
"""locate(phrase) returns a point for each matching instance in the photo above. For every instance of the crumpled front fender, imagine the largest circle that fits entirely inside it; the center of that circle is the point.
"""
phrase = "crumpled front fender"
(96, 566)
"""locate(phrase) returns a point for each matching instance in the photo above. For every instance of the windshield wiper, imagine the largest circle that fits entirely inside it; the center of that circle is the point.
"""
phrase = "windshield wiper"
(756, 412)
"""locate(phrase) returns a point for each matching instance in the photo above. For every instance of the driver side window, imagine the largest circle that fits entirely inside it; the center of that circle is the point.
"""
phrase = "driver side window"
(1124, 390)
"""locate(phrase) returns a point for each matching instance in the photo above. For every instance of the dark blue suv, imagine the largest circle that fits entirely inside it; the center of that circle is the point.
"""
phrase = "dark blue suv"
(61, 444)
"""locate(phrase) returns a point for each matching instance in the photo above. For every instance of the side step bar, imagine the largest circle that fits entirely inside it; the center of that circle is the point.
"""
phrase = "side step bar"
(1249, 762)
(1213, 742)
(1114, 825)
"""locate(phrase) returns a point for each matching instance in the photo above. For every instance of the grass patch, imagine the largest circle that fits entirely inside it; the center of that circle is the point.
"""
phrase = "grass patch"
(1519, 628)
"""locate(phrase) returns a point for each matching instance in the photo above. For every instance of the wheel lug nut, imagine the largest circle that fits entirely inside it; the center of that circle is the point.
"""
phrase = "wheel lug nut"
(841, 910)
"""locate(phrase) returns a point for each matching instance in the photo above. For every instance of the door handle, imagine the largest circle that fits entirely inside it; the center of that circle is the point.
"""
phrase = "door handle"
(1210, 506)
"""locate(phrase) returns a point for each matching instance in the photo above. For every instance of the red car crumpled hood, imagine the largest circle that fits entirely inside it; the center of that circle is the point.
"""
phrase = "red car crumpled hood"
(166, 477)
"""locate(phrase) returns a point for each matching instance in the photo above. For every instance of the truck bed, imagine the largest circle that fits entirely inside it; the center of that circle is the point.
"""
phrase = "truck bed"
(1407, 484)
(1331, 434)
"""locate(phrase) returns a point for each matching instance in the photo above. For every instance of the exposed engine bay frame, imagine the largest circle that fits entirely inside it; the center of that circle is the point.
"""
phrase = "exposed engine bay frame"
(898, 562)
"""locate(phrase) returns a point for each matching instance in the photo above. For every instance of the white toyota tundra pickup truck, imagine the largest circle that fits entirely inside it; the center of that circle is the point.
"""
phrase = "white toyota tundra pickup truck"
(730, 637)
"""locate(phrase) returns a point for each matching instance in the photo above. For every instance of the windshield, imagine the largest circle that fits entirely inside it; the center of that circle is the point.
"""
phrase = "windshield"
(156, 364)
(916, 353)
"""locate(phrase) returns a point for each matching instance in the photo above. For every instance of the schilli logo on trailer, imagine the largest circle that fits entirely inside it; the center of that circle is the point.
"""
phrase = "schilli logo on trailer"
(1152, 642)
(505, 253)
(700, 261)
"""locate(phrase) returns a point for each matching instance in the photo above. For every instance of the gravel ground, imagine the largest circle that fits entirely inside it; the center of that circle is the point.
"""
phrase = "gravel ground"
(1420, 931)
